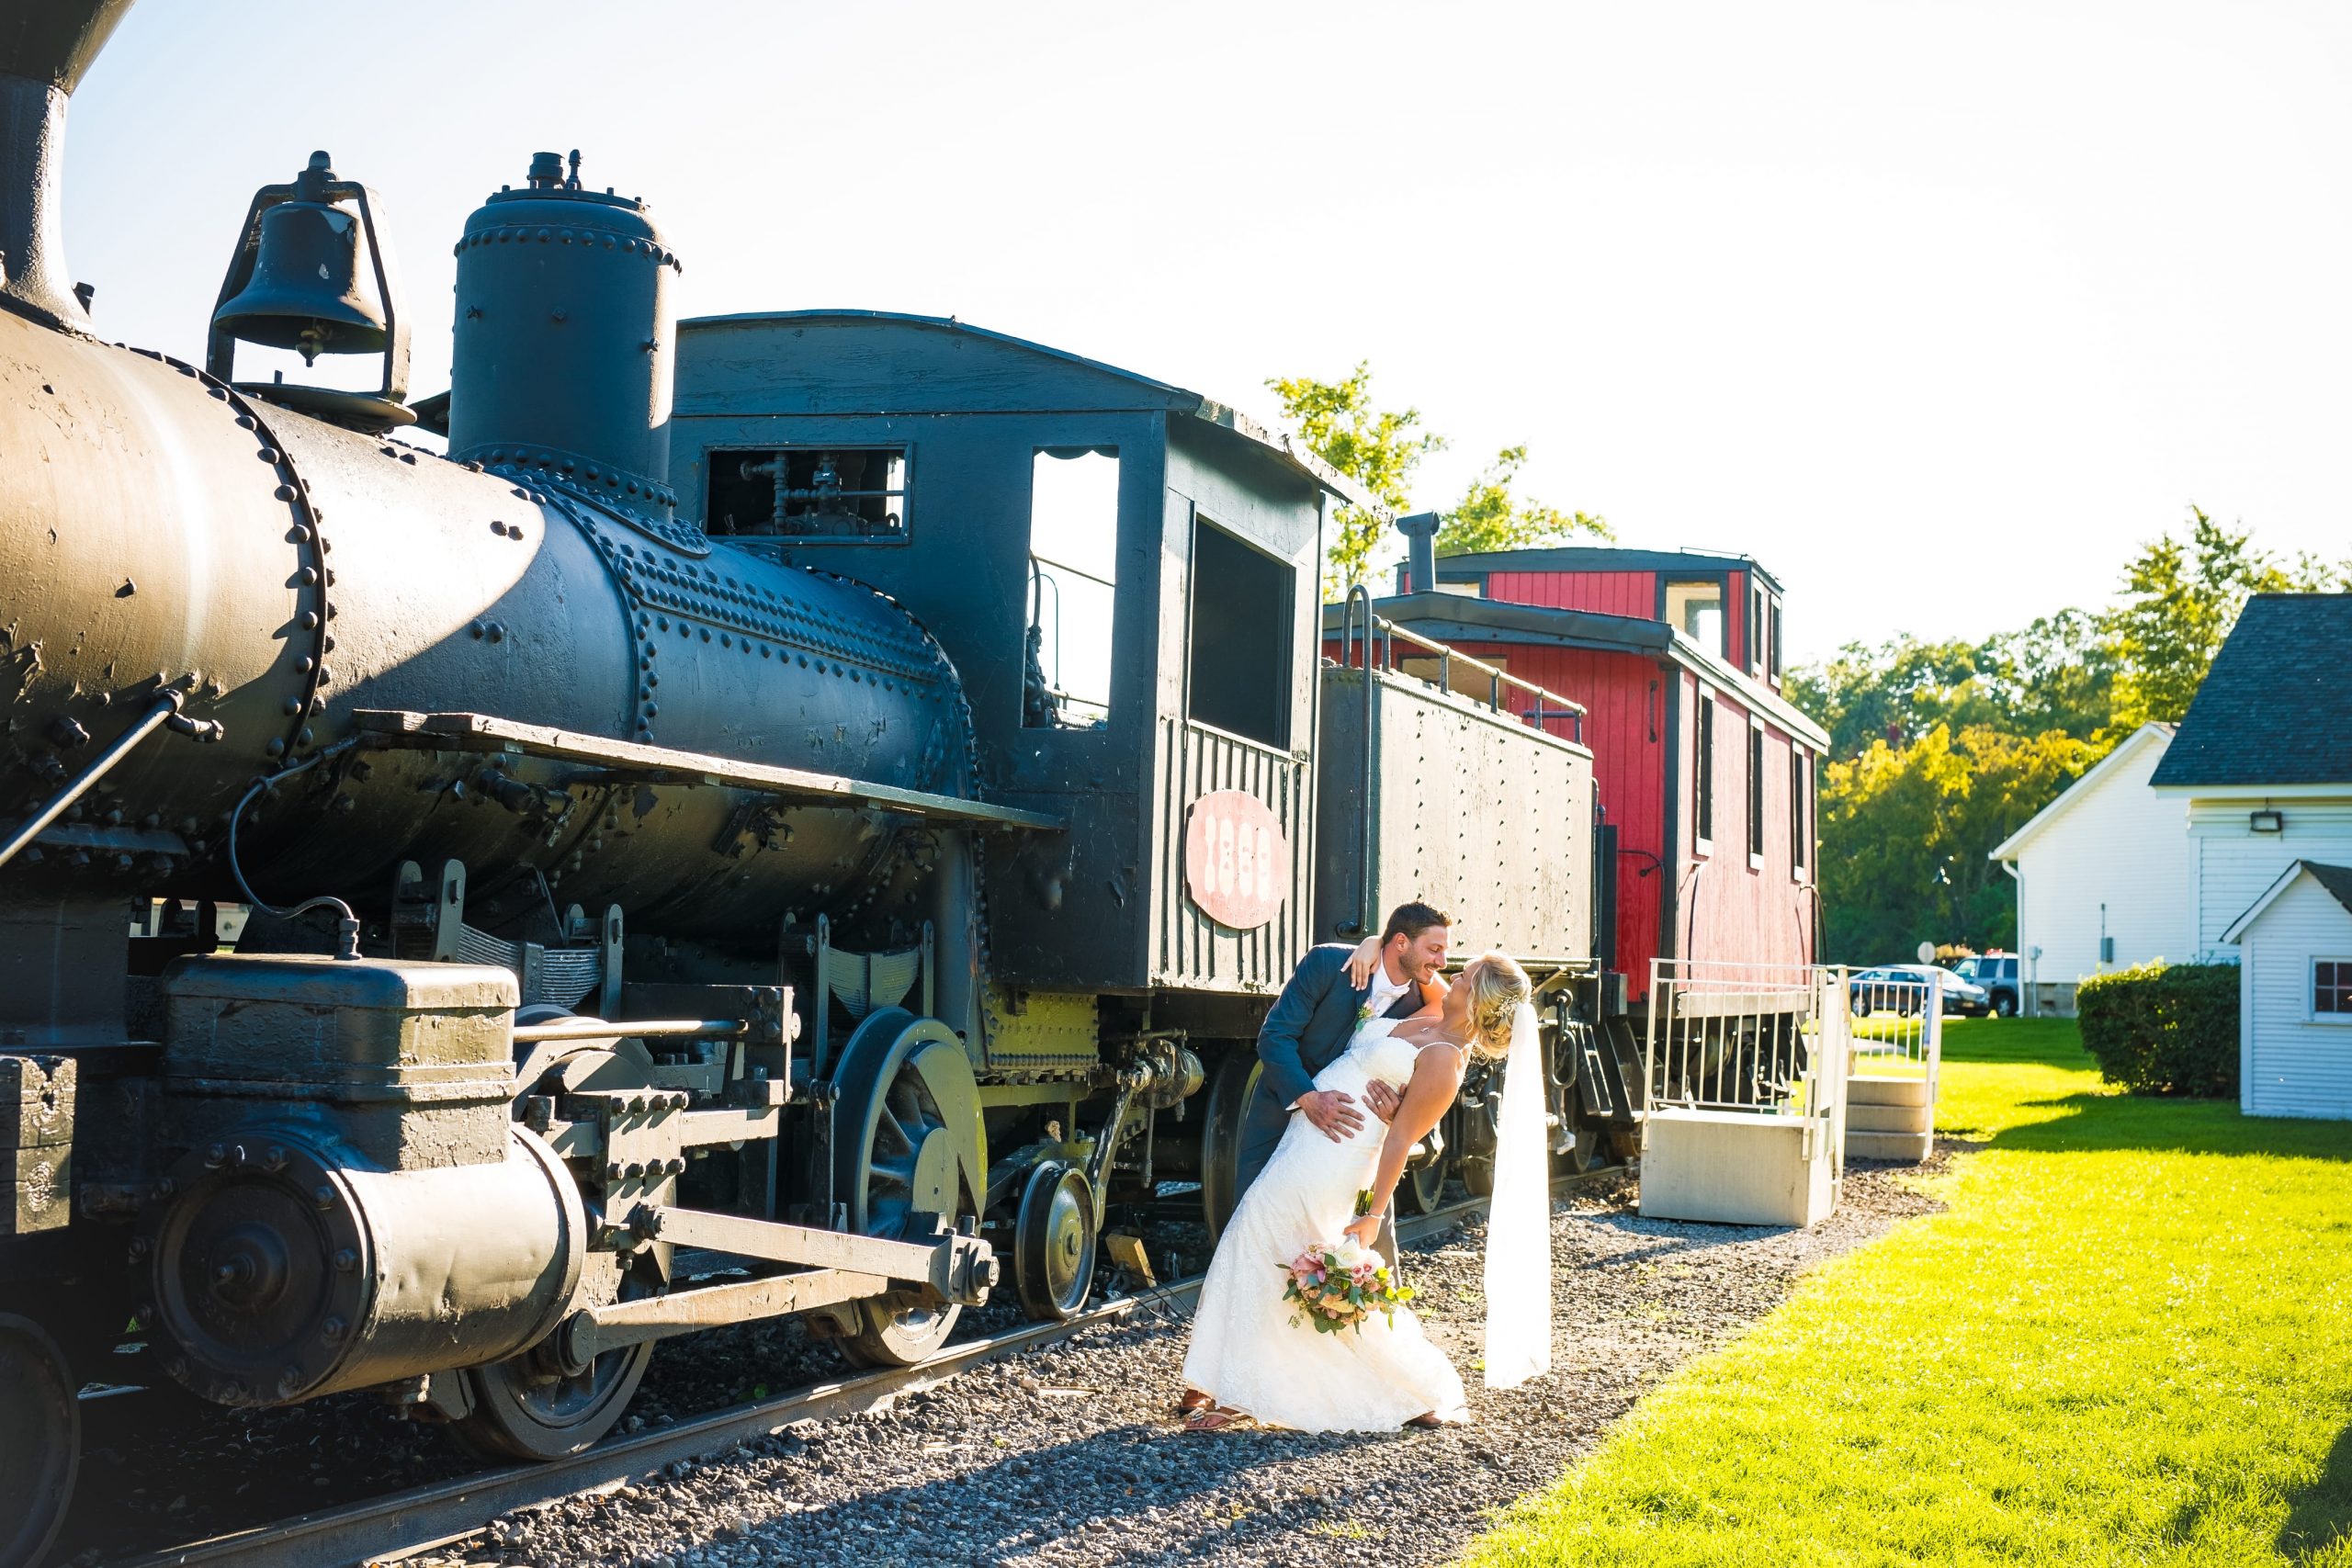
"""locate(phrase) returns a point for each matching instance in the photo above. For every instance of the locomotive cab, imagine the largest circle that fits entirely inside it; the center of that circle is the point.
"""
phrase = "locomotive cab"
(1125, 575)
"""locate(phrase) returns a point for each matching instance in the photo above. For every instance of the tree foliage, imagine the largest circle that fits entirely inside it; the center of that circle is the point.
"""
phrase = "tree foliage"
(1377, 449)
(1939, 751)
(2180, 599)
(1381, 449)
(1488, 517)
(1905, 830)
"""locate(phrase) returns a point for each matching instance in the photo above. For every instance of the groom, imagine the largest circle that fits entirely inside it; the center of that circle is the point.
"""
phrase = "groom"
(1318, 1011)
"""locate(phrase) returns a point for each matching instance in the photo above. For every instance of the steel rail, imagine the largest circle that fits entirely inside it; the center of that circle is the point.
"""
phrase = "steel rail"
(403, 1524)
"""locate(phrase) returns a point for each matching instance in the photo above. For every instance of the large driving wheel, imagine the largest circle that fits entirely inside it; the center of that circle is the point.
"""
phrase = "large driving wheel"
(1053, 1243)
(40, 1440)
(909, 1156)
(1242, 1127)
(529, 1408)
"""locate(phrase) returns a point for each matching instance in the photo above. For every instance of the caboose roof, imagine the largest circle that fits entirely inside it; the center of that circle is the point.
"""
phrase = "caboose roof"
(888, 362)
(1453, 618)
(1598, 558)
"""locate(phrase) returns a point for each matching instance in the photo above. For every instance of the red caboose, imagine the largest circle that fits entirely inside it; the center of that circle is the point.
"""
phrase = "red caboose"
(1704, 770)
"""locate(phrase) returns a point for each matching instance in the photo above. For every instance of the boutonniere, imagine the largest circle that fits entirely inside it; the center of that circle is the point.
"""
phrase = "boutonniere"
(1363, 1015)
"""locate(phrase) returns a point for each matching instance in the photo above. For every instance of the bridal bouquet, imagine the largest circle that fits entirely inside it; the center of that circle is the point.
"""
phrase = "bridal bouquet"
(1340, 1285)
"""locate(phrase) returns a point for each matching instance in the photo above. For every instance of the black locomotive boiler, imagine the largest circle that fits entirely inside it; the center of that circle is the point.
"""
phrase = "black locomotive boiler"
(813, 850)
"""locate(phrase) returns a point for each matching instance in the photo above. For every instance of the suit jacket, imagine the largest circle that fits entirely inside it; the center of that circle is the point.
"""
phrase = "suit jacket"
(1313, 1020)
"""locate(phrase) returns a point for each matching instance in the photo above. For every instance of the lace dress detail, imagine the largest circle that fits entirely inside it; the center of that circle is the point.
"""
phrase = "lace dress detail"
(1245, 1352)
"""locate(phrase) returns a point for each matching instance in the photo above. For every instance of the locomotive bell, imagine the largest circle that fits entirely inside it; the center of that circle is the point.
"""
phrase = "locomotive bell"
(304, 294)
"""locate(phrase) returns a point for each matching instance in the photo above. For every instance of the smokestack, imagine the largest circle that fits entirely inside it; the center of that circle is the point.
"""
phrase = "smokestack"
(1420, 533)
(46, 48)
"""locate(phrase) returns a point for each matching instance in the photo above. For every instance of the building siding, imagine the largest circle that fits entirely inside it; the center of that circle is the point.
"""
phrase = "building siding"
(2290, 1065)
(1729, 908)
(2233, 865)
(1608, 592)
(2116, 858)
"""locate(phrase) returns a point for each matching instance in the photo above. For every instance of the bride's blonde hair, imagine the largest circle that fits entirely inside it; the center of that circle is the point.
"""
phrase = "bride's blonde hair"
(1501, 985)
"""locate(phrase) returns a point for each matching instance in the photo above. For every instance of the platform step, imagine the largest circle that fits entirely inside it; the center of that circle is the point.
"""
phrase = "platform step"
(1873, 1088)
(1863, 1117)
(1912, 1147)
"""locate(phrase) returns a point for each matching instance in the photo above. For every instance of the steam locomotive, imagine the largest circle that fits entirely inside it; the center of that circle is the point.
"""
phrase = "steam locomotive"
(745, 832)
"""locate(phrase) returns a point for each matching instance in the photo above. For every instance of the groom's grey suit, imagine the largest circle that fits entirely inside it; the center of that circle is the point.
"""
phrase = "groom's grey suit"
(1313, 1020)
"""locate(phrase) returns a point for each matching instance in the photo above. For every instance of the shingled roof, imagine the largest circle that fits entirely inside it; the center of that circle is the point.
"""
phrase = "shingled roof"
(2272, 708)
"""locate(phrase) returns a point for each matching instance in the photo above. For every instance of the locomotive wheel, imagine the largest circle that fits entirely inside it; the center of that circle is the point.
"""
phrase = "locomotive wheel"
(1238, 1136)
(41, 1439)
(908, 1148)
(527, 1408)
(1053, 1243)
(1583, 1139)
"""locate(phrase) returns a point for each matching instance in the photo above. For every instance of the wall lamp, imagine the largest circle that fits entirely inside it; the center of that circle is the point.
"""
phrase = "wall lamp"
(2266, 820)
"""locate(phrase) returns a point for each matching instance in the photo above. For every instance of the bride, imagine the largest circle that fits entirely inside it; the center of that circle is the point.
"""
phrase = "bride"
(1246, 1358)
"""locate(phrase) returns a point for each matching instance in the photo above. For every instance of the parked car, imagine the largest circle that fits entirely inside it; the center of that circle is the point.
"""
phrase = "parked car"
(1997, 973)
(1902, 990)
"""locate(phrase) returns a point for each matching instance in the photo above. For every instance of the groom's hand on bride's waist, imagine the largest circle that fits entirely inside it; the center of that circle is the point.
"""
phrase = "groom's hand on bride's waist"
(1333, 1113)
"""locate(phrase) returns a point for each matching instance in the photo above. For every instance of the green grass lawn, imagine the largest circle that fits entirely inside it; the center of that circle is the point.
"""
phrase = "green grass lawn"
(2128, 1341)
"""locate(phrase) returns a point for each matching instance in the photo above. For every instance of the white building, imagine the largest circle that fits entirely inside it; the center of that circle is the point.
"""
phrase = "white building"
(2295, 995)
(2263, 761)
(2103, 876)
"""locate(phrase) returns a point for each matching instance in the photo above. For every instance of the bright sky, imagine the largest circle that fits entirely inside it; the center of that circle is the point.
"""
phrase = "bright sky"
(1936, 310)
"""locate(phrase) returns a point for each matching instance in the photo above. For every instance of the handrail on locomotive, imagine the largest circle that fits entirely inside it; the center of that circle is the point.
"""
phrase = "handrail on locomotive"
(1378, 632)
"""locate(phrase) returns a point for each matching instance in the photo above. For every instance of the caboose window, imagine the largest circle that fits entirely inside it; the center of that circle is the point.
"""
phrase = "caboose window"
(1755, 793)
(1800, 777)
(1073, 576)
(844, 495)
(1703, 775)
(1696, 610)
(1240, 668)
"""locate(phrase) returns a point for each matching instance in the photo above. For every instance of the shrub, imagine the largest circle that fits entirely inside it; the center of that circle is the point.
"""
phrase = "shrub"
(2164, 1028)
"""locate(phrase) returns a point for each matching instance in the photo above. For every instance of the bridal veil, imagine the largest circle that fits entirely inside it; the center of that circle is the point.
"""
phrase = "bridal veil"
(1519, 1224)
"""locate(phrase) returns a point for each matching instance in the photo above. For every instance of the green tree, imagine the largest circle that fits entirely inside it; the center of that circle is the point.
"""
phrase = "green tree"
(1377, 449)
(1381, 449)
(1488, 517)
(1907, 830)
(2180, 598)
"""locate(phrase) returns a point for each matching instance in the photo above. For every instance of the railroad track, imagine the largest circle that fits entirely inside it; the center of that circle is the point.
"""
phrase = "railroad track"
(403, 1524)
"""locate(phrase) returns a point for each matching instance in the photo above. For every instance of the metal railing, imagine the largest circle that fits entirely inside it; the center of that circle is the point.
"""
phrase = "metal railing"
(1379, 637)
(1897, 1027)
(1751, 1037)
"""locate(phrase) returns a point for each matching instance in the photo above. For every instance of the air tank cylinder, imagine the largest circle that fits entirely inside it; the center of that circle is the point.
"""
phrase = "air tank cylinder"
(354, 1206)
(564, 333)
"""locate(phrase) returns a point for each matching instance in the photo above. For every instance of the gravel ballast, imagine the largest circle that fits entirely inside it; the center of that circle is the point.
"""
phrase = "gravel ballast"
(1071, 1454)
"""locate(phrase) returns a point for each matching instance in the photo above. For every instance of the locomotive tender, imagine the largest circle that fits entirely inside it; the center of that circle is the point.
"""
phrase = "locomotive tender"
(814, 849)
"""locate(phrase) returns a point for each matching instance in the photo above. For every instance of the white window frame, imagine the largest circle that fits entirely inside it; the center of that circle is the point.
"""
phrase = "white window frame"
(2310, 991)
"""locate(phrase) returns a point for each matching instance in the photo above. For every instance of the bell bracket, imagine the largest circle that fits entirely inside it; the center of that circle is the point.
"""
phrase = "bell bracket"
(317, 184)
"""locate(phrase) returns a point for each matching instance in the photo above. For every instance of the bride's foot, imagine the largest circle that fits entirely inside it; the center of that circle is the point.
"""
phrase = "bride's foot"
(1194, 1399)
(1429, 1421)
(1212, 1418)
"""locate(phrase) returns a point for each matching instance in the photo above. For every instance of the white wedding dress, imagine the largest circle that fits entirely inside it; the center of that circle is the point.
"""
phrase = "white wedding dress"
(1245, 1354)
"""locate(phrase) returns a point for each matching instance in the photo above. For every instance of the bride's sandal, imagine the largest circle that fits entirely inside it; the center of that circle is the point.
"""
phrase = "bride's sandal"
(1212, 1418)
(1430, 1421)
